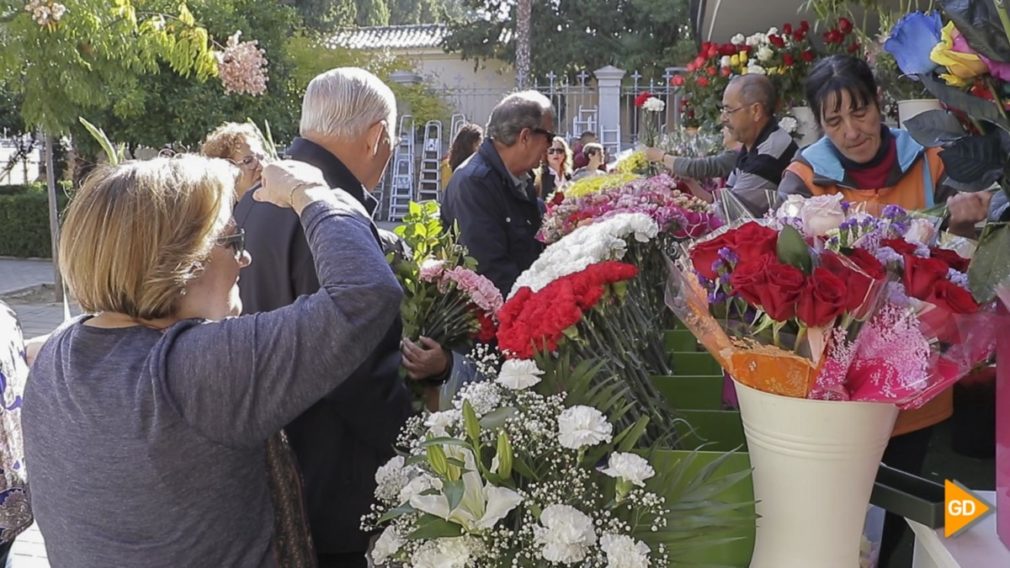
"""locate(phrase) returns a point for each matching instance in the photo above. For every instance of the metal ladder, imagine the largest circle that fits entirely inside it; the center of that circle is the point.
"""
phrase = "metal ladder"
(458, 120)
(610, 139)
(402, 186)
(429, 179)
(586, 120)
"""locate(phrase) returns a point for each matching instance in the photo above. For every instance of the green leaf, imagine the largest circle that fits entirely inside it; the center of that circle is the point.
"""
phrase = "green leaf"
(975, 107)
(974, 163)
(982, 25)
(496, 418)
(793, 250)
(453, 491)
(431, 527)
(934, 128)
(394, 513)
(99, 135)
(627, 439)
(990, 266)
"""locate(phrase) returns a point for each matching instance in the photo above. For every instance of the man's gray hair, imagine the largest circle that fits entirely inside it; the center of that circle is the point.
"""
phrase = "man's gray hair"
(525, 109)
(759, 89)
(346, 101)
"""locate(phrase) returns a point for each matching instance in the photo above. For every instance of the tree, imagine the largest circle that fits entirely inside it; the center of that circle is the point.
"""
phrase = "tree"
(372, 13)
(174, 110)
(643, 35)
(326, 15)
(414, 11)
(522, 34)
(65, 63)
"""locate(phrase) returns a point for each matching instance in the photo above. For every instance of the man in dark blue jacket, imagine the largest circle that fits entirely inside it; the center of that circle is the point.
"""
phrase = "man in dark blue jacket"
(346, 131)
(491, 197)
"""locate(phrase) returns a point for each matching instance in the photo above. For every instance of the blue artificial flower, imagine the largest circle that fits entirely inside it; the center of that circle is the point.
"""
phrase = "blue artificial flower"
(911, 41)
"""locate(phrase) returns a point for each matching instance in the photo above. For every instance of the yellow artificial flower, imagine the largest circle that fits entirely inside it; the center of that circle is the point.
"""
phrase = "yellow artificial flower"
(961, 67)
(734, 60)
(743, 58)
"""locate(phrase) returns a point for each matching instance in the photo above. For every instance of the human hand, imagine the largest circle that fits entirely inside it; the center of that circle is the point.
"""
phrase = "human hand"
(967, 209)
(282, 179)
(654, 154)
(424, 359)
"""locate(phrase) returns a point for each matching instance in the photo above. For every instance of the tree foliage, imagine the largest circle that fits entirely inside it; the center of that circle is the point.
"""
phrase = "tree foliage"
(372, 13)
(94, 56)
(567, 37)
(172, 109)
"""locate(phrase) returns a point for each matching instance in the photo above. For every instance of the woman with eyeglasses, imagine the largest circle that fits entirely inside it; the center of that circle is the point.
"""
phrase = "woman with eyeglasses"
(556, 172)
(239, 143)
(145, 421)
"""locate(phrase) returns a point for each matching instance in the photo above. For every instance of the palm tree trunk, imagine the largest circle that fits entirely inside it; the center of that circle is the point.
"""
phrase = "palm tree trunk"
(524, 12)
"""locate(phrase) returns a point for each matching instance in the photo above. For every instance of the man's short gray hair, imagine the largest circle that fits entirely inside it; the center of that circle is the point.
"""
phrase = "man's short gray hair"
(344, 102)
(525, 109)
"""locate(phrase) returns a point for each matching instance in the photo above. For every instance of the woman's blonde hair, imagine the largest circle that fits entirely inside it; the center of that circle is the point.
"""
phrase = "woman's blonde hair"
(223, 140)
(136, 234)
(567, 164)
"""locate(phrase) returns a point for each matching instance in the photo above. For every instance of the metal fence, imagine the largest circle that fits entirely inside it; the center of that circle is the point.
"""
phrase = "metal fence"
(662, 88)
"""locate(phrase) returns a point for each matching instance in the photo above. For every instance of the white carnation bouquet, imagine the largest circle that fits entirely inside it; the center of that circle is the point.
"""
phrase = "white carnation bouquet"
(512, 477)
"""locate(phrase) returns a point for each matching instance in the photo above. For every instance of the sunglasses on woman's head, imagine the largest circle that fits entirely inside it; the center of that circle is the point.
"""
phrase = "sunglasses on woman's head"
(234, 241)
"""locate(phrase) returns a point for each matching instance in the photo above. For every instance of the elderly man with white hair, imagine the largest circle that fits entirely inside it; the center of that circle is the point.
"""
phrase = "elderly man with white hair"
(347, 122)
(491, 197)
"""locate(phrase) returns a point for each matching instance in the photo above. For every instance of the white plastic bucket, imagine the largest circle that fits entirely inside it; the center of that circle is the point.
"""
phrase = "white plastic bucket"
(911, 107)
(814, 464)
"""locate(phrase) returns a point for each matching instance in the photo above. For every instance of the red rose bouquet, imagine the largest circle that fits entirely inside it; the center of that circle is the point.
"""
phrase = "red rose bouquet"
(833, 304)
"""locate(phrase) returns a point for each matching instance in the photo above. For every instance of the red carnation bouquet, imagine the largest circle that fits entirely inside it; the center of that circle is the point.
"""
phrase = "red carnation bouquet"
(831, 303)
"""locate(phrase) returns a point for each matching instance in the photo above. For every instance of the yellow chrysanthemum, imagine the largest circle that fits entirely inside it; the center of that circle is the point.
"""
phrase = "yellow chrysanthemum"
(586, 186)
(634, 163)
(961, 67)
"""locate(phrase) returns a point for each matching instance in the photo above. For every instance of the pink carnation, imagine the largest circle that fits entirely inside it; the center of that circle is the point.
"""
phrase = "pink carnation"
(482, 291)
(431, 270)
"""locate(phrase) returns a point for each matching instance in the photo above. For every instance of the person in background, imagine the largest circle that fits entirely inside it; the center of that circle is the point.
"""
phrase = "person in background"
(597, 157)
(239, 143)
(146, 421)
(704, 167)
(463, 146)
(580, 160)
(15, 505)
(556, 172)
(491, 197)
(346, 130)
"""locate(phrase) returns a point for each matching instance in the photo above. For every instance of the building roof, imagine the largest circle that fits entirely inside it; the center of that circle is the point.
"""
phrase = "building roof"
(390, 37)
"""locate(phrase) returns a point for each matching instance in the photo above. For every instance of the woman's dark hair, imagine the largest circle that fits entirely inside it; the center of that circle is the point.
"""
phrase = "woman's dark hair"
(837, 73)
(465, 144)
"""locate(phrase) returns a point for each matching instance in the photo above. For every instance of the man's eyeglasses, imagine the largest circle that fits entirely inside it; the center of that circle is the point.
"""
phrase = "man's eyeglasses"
(550, 135)
(555, 150)
(234, 241)
(726, 111)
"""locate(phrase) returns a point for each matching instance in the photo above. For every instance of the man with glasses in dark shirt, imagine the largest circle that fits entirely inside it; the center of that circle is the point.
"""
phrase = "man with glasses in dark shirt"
(491, 198)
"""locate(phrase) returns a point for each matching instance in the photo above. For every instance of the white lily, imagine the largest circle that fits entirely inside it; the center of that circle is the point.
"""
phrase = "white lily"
(483, 504)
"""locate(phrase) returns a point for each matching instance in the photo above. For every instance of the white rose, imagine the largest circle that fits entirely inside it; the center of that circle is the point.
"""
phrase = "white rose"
(755, 69)
(738, 39)
(773, 31)
(629, 467)
(565, 533)
(921, 232)
(765, 54)
(755, 39)
(624, 551)
(519, 374)
(789, 124)
(581, 426)
(388, 544)
(725, 61)
(791, 207)
(822, 214)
